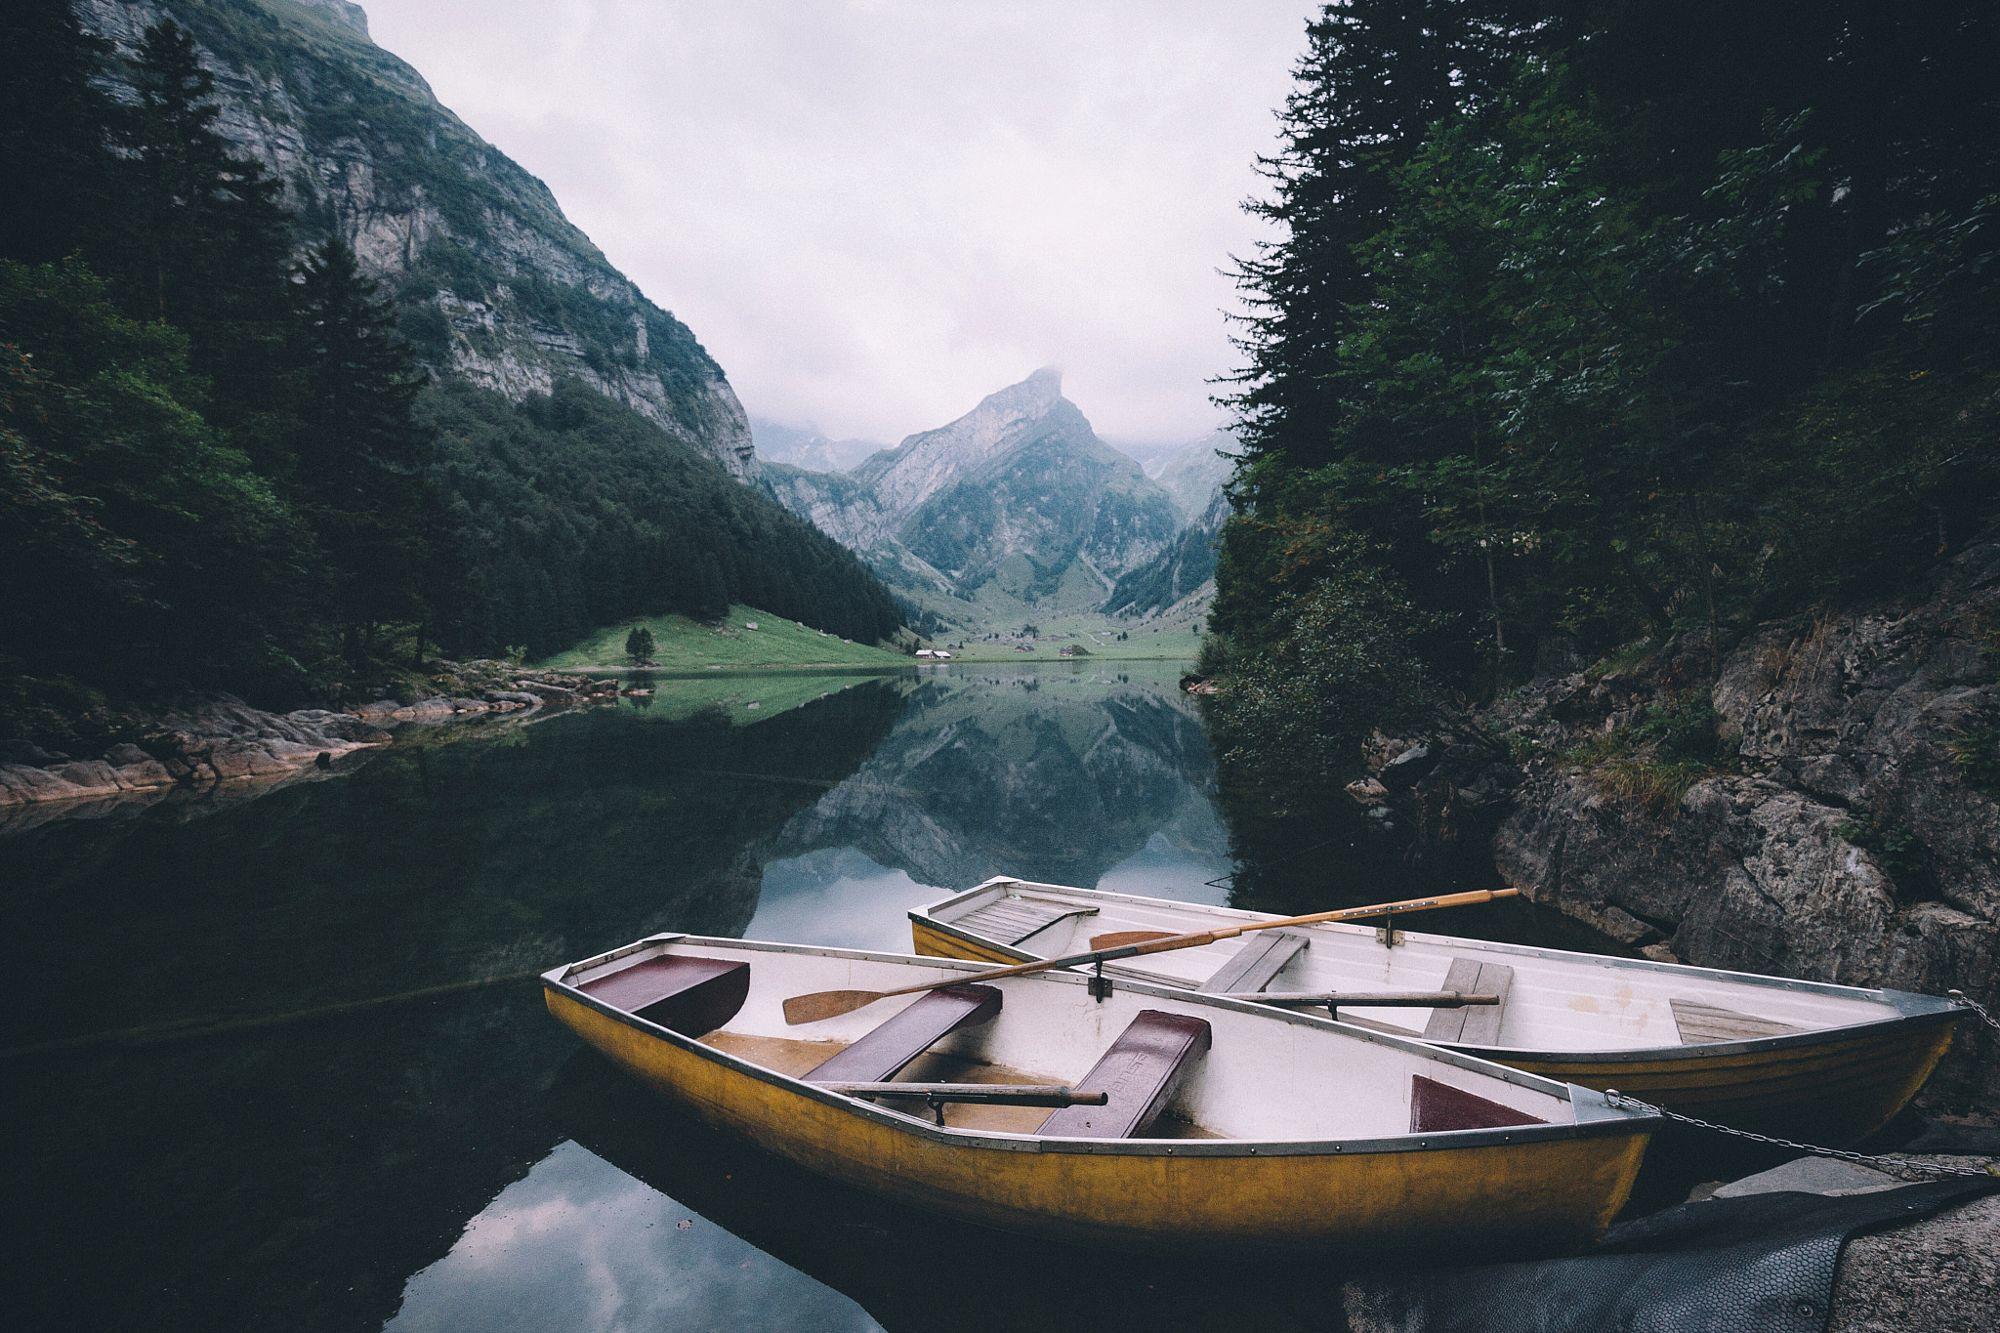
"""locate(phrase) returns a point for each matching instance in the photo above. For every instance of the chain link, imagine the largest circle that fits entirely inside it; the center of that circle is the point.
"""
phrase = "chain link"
(1621, 1101)
(1960, 998)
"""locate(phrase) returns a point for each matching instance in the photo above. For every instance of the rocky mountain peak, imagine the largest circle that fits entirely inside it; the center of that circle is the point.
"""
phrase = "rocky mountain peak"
(1033, 395)
(925, 463)
(341, 11)
(1015, 505)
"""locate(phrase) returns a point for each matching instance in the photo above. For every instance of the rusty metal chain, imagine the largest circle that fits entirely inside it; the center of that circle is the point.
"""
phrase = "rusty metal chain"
(1621, 1101)
(1960, 998)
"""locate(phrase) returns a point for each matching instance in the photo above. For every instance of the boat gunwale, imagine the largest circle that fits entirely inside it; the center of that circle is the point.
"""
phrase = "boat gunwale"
(1949, 1015)
(1914, 1009)
(1592, 1114)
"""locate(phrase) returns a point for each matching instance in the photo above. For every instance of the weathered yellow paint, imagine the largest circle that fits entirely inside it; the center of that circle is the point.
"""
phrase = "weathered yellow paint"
(1534, 1196)
(933, 943)
(1836, 1087)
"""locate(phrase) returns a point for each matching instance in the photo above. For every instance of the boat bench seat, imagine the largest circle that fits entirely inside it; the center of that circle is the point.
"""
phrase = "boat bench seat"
(887, 1047)
(1011, 920)
(1256, 964)
(1438, 1106)
(1475, 1024)
(691, 996)
(1142, 1071)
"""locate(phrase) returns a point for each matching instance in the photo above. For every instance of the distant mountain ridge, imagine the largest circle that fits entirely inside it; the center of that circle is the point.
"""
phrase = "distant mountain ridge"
(807, 447)
(1016, 505)
(1195, 478)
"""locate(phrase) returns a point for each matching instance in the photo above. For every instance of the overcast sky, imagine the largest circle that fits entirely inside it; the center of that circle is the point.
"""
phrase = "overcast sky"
(873, 212)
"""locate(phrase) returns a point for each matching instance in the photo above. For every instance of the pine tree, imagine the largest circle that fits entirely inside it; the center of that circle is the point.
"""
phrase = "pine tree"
(361, 455)
(639, 645)
(210, 238)
(1376, 73)
(55, 129)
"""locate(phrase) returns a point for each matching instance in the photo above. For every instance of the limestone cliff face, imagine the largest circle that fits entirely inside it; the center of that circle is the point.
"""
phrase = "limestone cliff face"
(496, 286)
(1857, 842)
(1013, 506)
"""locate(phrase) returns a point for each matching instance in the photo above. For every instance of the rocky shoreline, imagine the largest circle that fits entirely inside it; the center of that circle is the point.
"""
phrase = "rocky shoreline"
(221, 742)
(1845, 829)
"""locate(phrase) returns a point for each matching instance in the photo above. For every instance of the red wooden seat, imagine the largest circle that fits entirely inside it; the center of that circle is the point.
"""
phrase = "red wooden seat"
(1142, 1071)
(879, 1055)
(1436, 1106)
(688, 995)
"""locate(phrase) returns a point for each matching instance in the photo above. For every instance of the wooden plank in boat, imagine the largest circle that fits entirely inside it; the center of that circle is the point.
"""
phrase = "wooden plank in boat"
(1257, 963)
(1011, 920)
(692, 996)
(1143, 1069)
(887, 1047)
(1701, 1024)
(1479, 1025)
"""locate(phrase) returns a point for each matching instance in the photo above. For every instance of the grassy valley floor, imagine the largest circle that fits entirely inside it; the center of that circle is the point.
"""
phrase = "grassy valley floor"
(1172, 636)
(681, 644)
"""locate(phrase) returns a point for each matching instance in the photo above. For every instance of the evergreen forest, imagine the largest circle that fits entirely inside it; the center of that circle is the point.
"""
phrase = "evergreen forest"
(1600, 325)
(223, 463)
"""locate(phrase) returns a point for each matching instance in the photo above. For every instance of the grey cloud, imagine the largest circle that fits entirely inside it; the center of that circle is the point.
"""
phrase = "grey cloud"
(875, 212)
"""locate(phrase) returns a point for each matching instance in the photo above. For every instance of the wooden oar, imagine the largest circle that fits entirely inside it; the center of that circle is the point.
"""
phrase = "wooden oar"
(820, 1005)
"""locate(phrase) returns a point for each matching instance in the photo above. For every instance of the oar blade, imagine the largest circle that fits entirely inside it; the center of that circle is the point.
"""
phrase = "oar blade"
(825, 1004)
(1118, 939)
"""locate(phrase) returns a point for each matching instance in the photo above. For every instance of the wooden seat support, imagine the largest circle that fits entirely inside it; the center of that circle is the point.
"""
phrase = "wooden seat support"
(691, 996)
(1472, 1026)
(879, 1055)
(1141, 1072)
(1257, 963)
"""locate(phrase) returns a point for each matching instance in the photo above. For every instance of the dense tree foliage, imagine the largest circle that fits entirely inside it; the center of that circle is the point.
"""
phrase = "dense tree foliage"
(1613, 320)
(220, 464)
(580, 517)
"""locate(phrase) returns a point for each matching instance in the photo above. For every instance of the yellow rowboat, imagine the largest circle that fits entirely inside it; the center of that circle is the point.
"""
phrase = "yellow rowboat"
(1145, 1118)
(1829, 1064)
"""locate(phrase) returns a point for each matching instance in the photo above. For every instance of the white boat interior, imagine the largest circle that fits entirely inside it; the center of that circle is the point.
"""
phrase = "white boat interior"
(1211, 1069)
(1550, 999)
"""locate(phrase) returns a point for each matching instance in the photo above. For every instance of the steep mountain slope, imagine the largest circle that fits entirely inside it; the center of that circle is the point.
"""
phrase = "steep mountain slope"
(1194, 477)
(1183, 569)
(1013, 506)
(498, 288)
(1193, 473)
(589, 451)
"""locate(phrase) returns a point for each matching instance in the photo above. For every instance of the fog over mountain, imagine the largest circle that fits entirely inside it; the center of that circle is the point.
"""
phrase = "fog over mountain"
(808, 447)
(1013, 509)
(875, 212)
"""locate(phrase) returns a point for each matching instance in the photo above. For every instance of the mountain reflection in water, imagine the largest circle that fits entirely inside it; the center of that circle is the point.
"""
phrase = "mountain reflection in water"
(235, 1113)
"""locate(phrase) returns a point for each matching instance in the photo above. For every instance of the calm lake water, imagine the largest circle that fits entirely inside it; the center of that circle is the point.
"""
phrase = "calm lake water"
(282, 1061)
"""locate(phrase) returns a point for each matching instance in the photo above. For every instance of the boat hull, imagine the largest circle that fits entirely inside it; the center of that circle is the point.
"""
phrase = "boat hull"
(1533, 1196)
(1835, 1087)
